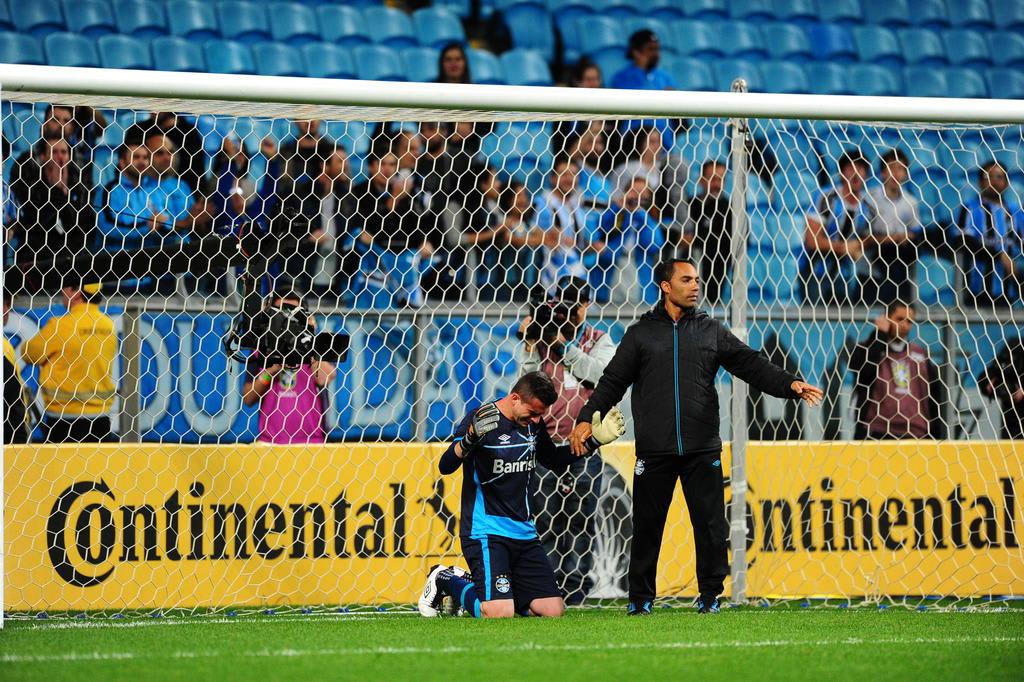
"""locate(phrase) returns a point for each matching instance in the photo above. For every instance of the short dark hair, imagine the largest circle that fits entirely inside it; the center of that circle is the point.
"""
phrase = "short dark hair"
(712, 163)
(581, 68)
(984, 168)
(894, 154)
(893, 306)
(639, 39)
(536, 385)
(664, 270)
(561, 159)
(285, 292)
(851, 157)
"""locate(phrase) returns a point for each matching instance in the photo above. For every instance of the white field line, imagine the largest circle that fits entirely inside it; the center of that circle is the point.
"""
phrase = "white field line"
(76, 657)
(142, 622)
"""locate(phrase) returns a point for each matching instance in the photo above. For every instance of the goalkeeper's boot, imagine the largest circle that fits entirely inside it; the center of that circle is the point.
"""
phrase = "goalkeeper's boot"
(430, 599)
(451, 605)
(708, 605)
(639, 608)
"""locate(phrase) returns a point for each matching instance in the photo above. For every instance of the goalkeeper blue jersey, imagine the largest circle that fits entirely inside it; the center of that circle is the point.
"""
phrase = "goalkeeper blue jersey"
(496, 477)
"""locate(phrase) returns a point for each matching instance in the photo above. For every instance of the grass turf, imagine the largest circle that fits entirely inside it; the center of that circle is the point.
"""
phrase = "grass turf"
(586, 644)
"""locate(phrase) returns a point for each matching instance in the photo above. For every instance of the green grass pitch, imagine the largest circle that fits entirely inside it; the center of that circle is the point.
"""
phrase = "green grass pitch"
(738, 644)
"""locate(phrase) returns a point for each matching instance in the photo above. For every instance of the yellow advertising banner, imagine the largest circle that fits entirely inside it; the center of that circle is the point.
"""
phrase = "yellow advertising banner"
(157, 526)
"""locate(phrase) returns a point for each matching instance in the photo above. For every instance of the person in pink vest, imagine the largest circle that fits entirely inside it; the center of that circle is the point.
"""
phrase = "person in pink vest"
(292, 401)
(574, 354)
(897, 389)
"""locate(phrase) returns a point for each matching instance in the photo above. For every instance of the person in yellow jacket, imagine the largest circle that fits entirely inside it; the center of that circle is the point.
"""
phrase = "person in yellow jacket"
(75, 353)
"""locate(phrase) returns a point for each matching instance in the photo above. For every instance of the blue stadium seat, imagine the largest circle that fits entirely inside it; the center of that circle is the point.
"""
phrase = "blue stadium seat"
(378, 63)
(1008, 15)
(172, 53)
(846, 12)
(37, 18)
(931, 14)
(692, 74)
(752, 10)
(124, 52)
(598, 34)
(874, 80)
(525, 67)
(1005, 83)
(784, 77)
(787, 41)
(140, 18)
(506, 5)
(566, 12)
(923, 47)
(936, 280)
(794, 190)
(243, 22)
(660, 28)
(925, 82)
(420, 64)
(389, 26)
(485, 68)
(726, 70)
(827, 78)
(665, 10)
(877, 45)
(832, 42)
(91, 18)
(742, 40)
(706, 9)
(698, 39)
(436, 27)
(971, 13)
(229, 56)
(965, 82)
(6, 23)
(531, 28)
(192, 20)
(519, 148)
(327, 60)
(278, 59)
(343, 25)
(610, 64)
(965, 47)
(293, 23)
(621, 9)
(71, 49)
(1007, 48)
(20, 49)
(891, 13)
(796, 11)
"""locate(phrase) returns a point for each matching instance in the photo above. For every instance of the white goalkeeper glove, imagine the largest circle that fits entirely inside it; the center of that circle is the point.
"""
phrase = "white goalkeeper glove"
(606, 430)
(485, 420)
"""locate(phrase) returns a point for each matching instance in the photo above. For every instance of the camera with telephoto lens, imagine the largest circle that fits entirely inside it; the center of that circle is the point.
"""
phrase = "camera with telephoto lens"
(550, 318)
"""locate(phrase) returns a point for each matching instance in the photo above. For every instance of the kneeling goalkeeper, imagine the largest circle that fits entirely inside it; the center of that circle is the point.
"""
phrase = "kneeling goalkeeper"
(498, 447)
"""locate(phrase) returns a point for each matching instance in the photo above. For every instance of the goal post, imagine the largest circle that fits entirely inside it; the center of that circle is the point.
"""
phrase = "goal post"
(418, 219)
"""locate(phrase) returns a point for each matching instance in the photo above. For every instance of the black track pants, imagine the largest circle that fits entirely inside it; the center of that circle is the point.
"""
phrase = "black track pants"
(654, 481)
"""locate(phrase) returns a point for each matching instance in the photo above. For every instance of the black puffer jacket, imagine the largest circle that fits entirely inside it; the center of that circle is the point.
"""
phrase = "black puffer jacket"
(671, 367)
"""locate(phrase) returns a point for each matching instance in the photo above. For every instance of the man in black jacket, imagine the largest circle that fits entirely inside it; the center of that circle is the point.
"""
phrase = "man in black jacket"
(670, 357)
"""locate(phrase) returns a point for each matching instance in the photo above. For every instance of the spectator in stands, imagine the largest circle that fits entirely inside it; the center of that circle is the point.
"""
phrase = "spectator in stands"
(519, 226)
(453, 65)
(897, 390)
(708, 230)
(302, 156)
(989, 234)
(56, 217)
(479, 233)
(186, 209)
(292, 401)
(235, 188)
(666, 172)
(407, 147)
(586, 147)
(190, 162)
(585, 74)
(1003, 381)
(75, 353)
(18, 410)
(433, 166)
(81, 127)
(832, 240)
(560, 214)
(627, 229)
(394, 235)
(893, 225)
(643, 74)
(130, 213)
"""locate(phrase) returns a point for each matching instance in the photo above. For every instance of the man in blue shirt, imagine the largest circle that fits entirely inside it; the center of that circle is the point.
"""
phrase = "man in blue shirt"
(645, 52)
(497, 447)
(627, 229)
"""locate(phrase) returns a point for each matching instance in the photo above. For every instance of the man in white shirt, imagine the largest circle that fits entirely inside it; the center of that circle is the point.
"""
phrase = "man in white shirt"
(560, 214)
(893, 225)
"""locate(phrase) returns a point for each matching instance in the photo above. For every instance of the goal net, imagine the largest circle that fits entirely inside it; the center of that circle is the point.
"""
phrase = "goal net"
(149, 466)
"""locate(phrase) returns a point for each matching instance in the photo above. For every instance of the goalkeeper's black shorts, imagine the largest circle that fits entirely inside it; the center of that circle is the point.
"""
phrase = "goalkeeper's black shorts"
(504, 568)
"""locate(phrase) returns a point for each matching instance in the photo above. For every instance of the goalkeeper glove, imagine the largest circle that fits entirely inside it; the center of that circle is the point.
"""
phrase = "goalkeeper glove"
(485, 420)
(604, 431)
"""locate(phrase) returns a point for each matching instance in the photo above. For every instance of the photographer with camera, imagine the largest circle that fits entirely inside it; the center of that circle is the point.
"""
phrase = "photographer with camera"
(558, 341)
(292, 400)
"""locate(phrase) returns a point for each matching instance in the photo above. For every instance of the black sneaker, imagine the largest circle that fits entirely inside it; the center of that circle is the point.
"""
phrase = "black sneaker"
(708, 605)
(639, 608)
